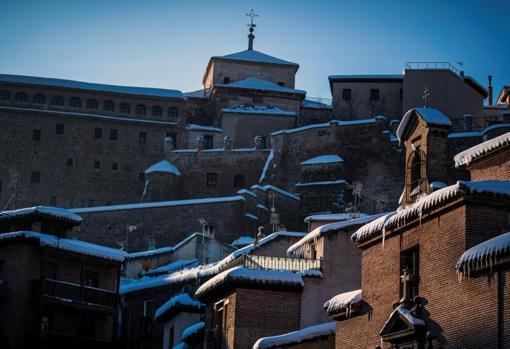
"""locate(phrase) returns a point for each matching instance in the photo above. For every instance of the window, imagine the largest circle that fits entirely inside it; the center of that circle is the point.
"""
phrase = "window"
(140, 109)
(124, 108)
(4, 95)
(91, 104)
(91, 278)
(346, 94)
(141, 177)
(69, 162)
(75, 102)
(258, 99)
(35, 177)
(36, 135)
(53, 201)
(156, 111)
(211, 180)
(59, 129)
(97, 164)
(409, 273)
(208, 142)
(57, 100)
(142, 138)
(173, 113)
(148, 308)
(108, 106)
(226, 80)
(114, 134)
(21, 97)
(115, 166)
(98, 132)
(239, 181)
(281, 83)
(39, 98)
(374, 94)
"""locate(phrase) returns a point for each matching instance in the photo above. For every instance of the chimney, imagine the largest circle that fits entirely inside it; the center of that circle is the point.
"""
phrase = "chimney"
(227, 143)
(200, 143)
(489, 89)
(259, 142)
(168, 146)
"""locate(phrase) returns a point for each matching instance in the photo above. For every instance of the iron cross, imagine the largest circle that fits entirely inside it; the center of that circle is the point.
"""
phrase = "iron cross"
(252, 15)
(426, 93)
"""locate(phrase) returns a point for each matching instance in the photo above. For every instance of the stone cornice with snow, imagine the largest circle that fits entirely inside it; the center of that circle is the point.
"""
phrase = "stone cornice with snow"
(468, 156)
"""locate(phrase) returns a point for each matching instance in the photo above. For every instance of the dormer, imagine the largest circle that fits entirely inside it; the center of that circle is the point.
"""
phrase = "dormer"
(424, 134)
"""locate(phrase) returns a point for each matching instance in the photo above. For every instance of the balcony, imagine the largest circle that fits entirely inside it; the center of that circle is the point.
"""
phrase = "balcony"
(75, 293)
(283, 263)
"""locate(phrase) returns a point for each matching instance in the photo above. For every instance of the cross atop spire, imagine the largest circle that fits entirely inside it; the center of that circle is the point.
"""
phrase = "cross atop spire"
(252, 26)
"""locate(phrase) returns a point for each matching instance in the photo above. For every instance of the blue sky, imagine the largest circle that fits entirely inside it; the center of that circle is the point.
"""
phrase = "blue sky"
(168, 43)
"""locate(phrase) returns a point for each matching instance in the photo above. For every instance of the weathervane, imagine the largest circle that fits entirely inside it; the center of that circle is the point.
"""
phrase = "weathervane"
(252, 26)
(426, 93)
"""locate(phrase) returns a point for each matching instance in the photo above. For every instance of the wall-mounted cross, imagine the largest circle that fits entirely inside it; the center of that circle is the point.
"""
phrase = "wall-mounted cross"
(426, 93)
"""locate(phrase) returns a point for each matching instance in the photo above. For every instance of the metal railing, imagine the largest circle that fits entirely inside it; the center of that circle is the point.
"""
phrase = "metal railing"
(71, 292)
(323, 100)
(432, 66)
(284, 263)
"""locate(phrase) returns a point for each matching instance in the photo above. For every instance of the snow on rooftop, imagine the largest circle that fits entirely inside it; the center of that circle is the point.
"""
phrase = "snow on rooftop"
(262, 207)
(251, 216)
(48, 211)
(144, 91)
(429, 202)
(158, 204)
(171, 267)
(408, 315)
(206, 128)
(322, 159)
(431, 116)
(310, 184)
(325, 125)
(438, 185)
(257, 109)
(166, 249)
(255, 56)
(296, 337)
(76, 246)
(192, 330)
(464, 134)
(259, 84)
(243, 241)
(163, 166)
(492, 128)
(198, 94)
(466, 157)
(247, 192)
(269, 160)
(484, 255)
(342, 301)
(314, 235)
(265, 188)
(307, 103)
(333, 217)
(256, 276)
(180, 300)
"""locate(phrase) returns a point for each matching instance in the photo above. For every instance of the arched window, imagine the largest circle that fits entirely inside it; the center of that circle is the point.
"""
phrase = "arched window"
(75, 102)
(416, 176)
(21, 97)
(125, 108)
(39, 98)
(92, 104)
(173, 112)
(156, 111)
(57, 100)
(4, 95)
(140, 109)
(108, 106)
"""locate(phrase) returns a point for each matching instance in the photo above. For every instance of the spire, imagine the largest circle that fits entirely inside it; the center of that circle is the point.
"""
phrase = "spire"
(252, 26)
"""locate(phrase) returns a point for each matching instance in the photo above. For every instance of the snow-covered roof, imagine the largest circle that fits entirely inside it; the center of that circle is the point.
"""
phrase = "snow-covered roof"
(163, 166)
(257, 109)
(492, 128)
(166, 249)
(408, 315)
(255, 56)
(250, 277)
(464, 134)
(192, 330)
(247, 192)
(342, 302)
(303, 335)
(331, 217)
(132, 90)
(472, 154)
(307, 103)
(262, 207)
(251, 216)
(76, 246)
(429, 202)
(171, 267)
(178, 302)
(315, 234)
(322, 159)
(484, 255)
(431, 116)
(157, 204)
(242, 241)
(47, 211)
(269, 160)
(205, 128)
(320, 183)
(325, 125)
(263, 85)
(268, 187)
(202, 93)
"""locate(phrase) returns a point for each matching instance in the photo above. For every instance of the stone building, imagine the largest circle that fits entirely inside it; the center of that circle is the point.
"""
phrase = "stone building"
(55, 292)
(411, 294)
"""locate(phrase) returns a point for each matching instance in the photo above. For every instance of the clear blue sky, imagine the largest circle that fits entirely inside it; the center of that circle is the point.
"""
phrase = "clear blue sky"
(168, 43)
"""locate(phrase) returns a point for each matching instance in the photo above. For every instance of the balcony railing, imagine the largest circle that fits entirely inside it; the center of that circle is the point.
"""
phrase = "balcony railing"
(70, 292)
(432, 66)
(285, 263)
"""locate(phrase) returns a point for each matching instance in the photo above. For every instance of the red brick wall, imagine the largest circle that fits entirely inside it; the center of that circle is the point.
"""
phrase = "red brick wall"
(496, 167)
(262, 313)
